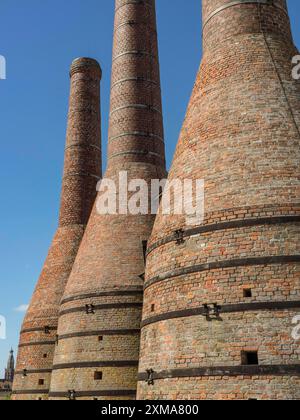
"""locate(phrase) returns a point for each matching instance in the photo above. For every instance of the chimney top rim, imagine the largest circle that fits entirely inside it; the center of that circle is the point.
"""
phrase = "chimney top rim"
(85, 65)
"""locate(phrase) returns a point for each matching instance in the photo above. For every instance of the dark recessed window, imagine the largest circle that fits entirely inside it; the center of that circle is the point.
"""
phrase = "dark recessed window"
(250, 358)
(45, 355)
(100, 338)
(98, 376)
(152, 307)
(41, 381)
(247, 293)
(145, 244)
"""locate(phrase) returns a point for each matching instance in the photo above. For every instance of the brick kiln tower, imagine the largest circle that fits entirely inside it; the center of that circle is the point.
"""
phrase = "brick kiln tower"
(220, 296)
(82, 170)
(99, 326)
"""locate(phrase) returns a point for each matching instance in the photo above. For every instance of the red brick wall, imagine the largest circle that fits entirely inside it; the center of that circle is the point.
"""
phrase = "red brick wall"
(107, 270)
(82, 170)
(241, 135)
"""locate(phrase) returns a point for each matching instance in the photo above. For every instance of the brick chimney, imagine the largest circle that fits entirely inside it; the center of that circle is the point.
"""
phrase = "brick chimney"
(220, 296)
(99, 326)
(82, 171)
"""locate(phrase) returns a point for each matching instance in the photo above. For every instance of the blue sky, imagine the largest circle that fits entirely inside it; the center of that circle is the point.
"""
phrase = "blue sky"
(39, 40)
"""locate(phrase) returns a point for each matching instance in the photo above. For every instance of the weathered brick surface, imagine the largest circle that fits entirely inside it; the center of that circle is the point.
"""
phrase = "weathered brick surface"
(110, 261)
(82, 170)
(241, 135)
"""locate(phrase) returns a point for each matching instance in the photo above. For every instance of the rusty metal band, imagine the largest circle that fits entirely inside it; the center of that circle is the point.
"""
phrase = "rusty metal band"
(106, 393)
(38, 329)
(112, 293)
(37, 343)
(139, 2)
(231, 371)
(219, 265)
(98, 333)
(31, 391)
(234, 224)
(136, 53)
(226, 309)
(103, 364)
(135, 79)
(145, 153)
(126, 305)
(238, 3)
(33, 371)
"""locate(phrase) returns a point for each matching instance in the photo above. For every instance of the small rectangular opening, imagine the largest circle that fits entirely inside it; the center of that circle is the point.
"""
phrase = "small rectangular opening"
(41, 381)
(153, 307)
(145, 244)
(45, 355)
(247, 293)
(100, 338)
(98, 376)
(250, 358)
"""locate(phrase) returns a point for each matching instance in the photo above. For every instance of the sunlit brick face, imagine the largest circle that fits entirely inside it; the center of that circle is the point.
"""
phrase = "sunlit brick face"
(82, 170)
(107, 274)
(225, 296)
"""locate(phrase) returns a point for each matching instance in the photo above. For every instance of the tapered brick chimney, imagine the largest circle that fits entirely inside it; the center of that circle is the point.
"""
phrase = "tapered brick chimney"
(99, 326)
(82, 171)
(220, 296)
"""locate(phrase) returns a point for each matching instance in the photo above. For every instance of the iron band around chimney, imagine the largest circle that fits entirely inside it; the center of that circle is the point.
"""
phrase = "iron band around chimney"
(37, 343)
(136, 106)
(108, 306)
(31, 391)
(139, 2)
(135, 79)
(137, 134)
(136, 53)
(233, 224)
(136, 152)
(226, 309)
(99, 333)
(106, 393)
(102, 364)
(38, 329)
(112, 293)
(239, 2)
(231, 371)
(244, 262)
(33, 371)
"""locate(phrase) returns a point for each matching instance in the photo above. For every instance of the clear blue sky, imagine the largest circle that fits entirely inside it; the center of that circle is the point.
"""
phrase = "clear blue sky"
(39, 40)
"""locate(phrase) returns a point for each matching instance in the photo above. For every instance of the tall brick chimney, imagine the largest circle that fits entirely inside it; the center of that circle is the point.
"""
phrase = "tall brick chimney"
(82, 171)
(99, 325)
(220, 296)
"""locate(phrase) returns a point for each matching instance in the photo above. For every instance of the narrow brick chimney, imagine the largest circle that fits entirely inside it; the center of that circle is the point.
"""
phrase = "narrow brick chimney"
(220, 296)
(99, 326)
(82, 171)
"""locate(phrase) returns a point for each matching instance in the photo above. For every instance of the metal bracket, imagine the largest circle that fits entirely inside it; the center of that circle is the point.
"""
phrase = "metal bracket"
(179, 236)
(89, 309)
(72, 395)
(212, 310)
(150, 378)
